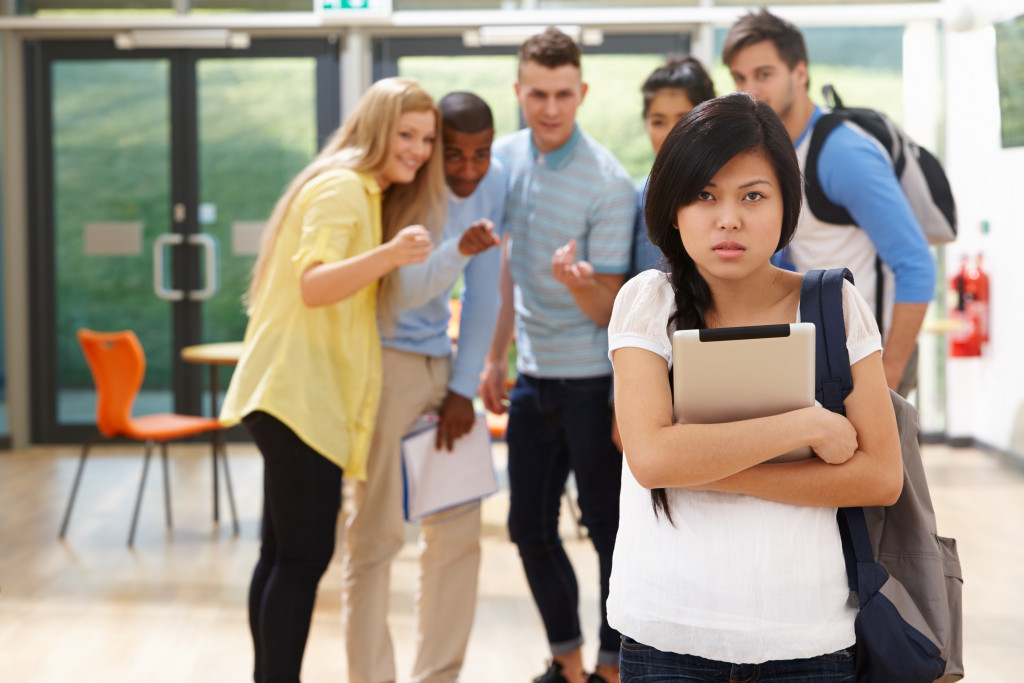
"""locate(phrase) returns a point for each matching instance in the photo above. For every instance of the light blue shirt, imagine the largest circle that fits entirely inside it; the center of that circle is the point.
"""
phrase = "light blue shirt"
(421, 325)
(855, 174)
(579, 191)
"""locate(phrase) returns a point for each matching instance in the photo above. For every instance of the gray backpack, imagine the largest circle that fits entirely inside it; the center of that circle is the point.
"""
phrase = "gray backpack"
(920, 174)
(906, 577)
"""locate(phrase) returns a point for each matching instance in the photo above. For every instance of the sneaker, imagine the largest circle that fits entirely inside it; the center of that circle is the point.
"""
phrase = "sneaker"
(552, 675)
(596, 678)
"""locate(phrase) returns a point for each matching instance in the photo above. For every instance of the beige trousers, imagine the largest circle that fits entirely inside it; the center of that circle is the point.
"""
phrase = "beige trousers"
(449, 543)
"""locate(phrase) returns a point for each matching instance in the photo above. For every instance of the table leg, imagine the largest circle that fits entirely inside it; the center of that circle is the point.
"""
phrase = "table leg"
(215, 436)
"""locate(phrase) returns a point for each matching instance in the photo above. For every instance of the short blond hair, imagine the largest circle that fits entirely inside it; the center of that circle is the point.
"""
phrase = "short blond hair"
(365, 143)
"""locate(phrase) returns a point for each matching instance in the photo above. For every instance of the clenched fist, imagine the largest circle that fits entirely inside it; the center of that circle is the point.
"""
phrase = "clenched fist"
(411, 245)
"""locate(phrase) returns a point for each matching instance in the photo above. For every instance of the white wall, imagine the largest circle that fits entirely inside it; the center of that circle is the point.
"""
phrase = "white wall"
(985, 394)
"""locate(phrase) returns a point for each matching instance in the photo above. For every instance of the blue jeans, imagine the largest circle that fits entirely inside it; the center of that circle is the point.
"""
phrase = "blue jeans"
(638, 662)
(554, 426)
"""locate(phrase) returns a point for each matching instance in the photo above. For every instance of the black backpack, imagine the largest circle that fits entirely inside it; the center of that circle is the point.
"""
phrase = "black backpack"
(920, 173)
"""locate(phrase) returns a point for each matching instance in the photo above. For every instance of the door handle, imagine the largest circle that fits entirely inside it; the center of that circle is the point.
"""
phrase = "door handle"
(210, 266)
(159, 259)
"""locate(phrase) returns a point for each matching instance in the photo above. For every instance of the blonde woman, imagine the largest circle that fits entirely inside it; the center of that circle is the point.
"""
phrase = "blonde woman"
(308, 381)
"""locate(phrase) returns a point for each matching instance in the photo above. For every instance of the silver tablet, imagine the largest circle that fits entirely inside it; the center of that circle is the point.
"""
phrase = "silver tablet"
(738, 373)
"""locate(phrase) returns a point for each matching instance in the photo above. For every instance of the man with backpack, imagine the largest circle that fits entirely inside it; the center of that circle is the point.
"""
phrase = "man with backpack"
(883, 243)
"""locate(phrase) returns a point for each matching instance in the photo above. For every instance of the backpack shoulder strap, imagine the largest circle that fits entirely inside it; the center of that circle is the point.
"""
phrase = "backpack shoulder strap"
(821, 303)
(820, 206)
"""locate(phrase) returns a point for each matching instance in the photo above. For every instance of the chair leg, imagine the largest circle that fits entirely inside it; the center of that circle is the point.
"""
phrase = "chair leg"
(138, 498)
(167, 485)
(221, 447)
(74, 487)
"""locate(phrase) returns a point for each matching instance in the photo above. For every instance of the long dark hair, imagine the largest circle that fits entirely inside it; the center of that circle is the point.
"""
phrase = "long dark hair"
(695, 150)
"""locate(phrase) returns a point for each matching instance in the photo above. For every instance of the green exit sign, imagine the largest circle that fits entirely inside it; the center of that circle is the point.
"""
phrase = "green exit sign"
(356, 6)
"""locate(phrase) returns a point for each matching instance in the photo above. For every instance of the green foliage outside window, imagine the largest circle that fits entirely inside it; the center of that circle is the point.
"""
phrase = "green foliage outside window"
(1010, 65)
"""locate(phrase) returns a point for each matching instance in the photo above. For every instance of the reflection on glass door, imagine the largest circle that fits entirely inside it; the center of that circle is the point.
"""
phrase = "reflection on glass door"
(257, 121)
(111, 189)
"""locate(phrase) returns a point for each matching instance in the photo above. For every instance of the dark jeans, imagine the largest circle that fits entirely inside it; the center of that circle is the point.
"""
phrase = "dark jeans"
(638, 662)
(301, 499)
(554, 426)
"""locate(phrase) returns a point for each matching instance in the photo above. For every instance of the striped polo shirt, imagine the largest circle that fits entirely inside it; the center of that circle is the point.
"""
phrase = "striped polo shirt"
(579, 191)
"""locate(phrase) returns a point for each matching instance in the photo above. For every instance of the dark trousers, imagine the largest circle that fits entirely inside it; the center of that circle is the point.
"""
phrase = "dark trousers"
(558, 425)
(643, 664)
(301, 499)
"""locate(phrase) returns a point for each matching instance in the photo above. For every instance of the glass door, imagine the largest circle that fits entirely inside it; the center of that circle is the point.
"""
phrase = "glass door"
(110, 165)
(154, 171)
(253, 140)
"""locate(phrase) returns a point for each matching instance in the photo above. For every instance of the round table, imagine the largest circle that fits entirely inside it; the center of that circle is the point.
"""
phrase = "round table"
(215, 355)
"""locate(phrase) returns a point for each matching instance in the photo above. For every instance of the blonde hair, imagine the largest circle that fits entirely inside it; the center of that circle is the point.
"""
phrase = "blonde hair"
(365, 143)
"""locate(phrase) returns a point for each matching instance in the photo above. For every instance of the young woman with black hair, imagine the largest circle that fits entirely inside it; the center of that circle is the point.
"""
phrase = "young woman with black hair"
(725, 565)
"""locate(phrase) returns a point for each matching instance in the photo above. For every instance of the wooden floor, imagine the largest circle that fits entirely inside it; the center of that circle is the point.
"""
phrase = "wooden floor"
(174, 608)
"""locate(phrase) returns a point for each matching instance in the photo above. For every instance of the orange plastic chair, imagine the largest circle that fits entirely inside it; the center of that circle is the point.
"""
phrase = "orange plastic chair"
(118, 365)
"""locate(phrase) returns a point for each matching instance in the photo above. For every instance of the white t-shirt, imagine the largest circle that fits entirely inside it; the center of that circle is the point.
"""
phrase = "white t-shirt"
(736, 578)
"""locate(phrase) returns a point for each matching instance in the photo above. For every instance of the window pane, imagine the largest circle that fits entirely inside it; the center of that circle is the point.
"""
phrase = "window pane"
(1010, 65)
(865, 64)
(611, 111)
(488, 76)
(257, 130)
(111, 169)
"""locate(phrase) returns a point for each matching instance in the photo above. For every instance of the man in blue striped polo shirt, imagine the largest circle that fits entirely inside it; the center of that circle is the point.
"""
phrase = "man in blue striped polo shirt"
(569, 221)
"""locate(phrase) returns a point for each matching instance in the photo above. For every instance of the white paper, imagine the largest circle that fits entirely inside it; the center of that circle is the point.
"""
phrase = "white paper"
(436, 480)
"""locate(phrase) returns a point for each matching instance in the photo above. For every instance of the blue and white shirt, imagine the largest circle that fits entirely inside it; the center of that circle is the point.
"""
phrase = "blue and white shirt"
(421, 326)
(857, 174)
(579, 191)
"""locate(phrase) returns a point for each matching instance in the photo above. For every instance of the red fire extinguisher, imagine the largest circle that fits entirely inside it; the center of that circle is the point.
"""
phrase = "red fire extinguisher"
(971, 298)
(978, 282)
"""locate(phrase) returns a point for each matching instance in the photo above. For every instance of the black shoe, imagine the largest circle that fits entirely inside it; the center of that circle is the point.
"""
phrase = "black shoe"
(552, 675)
(596, 678)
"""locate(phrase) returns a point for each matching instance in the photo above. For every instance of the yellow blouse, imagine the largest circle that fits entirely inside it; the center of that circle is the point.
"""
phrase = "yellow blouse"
(318, 370)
